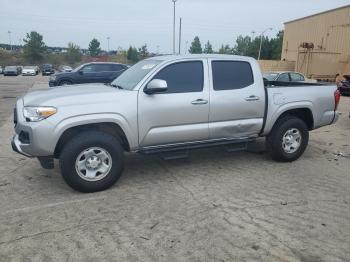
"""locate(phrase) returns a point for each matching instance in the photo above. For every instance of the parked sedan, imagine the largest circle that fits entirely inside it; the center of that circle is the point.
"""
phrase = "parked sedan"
(89, 73)
(65, 68)
(47, 69)
(29, 71)
(11, 71)
(285, 76)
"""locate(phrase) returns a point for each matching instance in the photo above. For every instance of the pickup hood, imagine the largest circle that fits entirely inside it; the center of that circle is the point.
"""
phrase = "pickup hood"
(73, 95)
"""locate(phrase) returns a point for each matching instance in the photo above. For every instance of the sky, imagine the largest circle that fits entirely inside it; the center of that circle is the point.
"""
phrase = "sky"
(138, 22)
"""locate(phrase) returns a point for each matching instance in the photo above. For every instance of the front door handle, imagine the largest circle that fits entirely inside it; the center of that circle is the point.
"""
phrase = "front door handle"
(199, 102)
(252, 98)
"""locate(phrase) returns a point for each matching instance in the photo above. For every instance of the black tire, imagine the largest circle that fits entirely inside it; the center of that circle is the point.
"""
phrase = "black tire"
(78, 144)
(65, 82)
(275, 139)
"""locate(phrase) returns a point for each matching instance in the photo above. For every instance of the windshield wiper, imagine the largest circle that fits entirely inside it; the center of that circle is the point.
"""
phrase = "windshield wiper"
(114, 85)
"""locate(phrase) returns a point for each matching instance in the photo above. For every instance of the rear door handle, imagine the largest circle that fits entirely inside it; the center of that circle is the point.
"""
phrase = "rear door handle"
(252, 98)
(199, 102)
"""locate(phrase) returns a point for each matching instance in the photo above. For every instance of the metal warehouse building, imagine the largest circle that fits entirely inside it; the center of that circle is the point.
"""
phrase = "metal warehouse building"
(319, 44)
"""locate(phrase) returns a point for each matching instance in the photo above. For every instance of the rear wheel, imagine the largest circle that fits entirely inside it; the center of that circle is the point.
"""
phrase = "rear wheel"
(288, 139)
(92, 161)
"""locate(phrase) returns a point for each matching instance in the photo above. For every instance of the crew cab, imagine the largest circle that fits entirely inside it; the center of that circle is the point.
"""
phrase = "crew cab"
(167, 105)
(97, 72)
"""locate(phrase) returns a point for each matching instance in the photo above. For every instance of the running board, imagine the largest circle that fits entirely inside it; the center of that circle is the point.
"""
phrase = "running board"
(181, 149)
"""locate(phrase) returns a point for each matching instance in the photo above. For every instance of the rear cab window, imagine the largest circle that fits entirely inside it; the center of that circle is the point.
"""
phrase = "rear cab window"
(230, 75)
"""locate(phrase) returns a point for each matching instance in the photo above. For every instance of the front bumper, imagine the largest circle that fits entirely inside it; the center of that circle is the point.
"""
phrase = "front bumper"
(28, 73)
(8, 73)
(32, 139)
(16, 146)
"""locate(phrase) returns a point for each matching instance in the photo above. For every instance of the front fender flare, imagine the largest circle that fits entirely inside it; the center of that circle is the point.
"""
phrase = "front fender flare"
(79, 120)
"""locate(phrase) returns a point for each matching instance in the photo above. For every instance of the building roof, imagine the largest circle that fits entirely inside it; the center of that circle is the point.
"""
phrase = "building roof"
(324, 12)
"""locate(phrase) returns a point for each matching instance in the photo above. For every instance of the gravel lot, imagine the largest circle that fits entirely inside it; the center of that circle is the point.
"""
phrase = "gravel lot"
(213, 206)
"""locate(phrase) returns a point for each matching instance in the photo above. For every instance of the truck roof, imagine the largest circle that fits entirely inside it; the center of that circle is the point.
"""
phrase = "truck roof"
(201, 56)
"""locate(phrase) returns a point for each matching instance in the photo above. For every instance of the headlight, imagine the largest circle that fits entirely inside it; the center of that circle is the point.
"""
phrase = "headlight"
(38, 113)
(52, 78)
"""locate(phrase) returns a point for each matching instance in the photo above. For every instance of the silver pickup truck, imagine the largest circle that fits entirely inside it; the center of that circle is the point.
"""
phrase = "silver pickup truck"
(167, 105)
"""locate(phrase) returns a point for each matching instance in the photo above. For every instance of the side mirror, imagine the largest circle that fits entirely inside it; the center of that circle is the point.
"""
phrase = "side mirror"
(81, 72)
(156, 86)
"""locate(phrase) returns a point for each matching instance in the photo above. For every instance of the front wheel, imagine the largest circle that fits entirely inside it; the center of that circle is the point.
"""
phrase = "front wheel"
(65, 83)
(288, 139)
(92, 161)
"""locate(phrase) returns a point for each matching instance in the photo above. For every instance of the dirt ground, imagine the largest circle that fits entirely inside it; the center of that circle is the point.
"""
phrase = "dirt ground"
(213, 206)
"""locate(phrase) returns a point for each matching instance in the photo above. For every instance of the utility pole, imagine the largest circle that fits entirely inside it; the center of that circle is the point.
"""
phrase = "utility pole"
(180, 36)
(261, 35)
(174, 1)
(108, 43)
(9, 32)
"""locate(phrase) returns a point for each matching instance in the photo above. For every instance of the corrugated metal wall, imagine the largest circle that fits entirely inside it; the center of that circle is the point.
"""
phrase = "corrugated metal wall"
(330, 34)
(274, 65)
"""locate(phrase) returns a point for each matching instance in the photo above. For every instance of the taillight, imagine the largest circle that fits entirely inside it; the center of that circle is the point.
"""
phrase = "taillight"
(336, 98)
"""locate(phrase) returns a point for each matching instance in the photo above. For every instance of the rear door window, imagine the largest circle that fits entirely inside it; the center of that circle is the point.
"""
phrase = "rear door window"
(102, 67)
(229, 75)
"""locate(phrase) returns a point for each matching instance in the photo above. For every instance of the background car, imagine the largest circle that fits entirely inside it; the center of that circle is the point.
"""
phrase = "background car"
(65, 68)
(97, 72)
(47, 69)
(286, 76)
(344, 86)
(29, 71)
(20, 68)
(11, 71)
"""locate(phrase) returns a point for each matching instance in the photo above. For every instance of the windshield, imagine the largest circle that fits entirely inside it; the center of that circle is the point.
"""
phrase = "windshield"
(11, 68)
(132, 76)
(28, 67)
(270, 76)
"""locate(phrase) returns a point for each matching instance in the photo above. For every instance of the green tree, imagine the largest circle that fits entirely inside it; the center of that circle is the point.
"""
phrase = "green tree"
(73, 54)
(208, 48)
(276, 45)
(94, 47)
(225, 49)
(242, 45)
(143, 52)
(132, 54)
(34, 47)
(270, 48)
(196, 46)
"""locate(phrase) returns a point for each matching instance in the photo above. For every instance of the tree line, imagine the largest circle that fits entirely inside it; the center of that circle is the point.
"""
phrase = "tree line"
(271, 48)
(35, 49)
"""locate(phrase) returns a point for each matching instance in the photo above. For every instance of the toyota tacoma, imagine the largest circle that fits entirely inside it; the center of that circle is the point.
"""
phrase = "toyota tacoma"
(167, 105)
